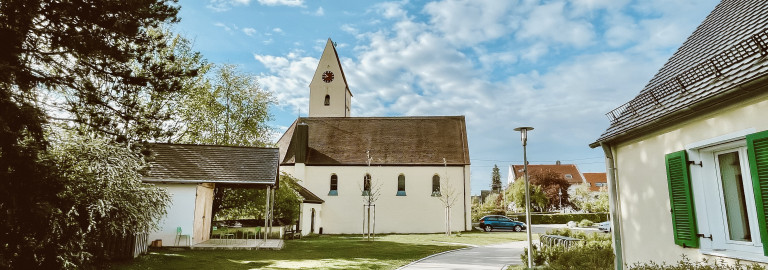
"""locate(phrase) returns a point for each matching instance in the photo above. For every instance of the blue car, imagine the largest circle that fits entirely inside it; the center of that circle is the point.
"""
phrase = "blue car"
(489, 223)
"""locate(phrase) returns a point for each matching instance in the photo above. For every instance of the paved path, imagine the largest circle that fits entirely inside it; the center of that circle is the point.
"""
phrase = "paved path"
(492, 257)
(483, 257)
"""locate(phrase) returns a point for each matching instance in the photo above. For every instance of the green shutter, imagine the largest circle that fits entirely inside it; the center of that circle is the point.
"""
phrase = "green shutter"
(681, 199)
(757, 150)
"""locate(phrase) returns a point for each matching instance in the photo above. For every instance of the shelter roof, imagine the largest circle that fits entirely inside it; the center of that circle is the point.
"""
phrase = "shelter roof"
(190, 163)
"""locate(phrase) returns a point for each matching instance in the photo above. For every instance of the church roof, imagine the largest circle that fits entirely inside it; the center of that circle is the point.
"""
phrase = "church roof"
(308, 196)
(390, 141)
(727, 50)
(190, 163)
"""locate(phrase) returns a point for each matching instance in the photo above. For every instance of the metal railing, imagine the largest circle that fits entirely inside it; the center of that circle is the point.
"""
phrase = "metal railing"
(553, 240)
(648, 100)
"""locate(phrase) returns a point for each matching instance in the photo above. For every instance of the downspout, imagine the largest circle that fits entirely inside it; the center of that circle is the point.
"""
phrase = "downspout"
(613, 200)
(464, 198)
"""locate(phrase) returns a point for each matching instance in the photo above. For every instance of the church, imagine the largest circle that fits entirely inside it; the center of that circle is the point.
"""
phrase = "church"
(412, 173)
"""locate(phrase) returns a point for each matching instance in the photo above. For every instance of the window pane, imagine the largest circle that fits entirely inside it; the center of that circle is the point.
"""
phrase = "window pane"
(401, 183)
(733, 196)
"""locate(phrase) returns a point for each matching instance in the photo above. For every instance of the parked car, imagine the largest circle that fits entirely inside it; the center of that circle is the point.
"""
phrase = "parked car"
(488, 223)
(604, 226)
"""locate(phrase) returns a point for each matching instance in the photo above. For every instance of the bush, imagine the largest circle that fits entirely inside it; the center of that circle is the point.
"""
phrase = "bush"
(561, 218)
(686, 264)
(585, 223)
(594, 252)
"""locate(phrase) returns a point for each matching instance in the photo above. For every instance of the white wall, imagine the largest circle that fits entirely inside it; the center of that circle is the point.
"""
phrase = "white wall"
(181, 213)
(642, 181)
(417, 212)
(306, 217)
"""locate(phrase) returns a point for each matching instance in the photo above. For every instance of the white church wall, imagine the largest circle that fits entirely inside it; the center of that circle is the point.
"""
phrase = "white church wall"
(417, 212)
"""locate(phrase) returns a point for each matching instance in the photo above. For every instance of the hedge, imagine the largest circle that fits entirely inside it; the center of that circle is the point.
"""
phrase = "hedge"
(561, 218)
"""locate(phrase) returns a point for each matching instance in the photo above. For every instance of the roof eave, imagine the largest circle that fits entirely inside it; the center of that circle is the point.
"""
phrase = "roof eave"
(738, 93)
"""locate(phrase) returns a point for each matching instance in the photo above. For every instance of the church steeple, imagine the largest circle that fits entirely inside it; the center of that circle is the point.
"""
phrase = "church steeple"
(329, 94)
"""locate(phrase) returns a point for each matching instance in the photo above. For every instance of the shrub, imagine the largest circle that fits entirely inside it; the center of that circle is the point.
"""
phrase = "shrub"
(561, 218)
(686, 264)
(585, 223)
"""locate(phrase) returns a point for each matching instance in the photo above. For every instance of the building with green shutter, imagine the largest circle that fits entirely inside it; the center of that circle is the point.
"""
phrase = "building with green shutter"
(687, 158)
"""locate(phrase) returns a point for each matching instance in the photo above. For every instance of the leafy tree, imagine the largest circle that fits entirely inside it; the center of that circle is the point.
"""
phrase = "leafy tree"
(496, 179)
(103, 197)
(516, 193)
(228, 109)
(252, 204)
(552, 184)
(78, 59)
(591, 202)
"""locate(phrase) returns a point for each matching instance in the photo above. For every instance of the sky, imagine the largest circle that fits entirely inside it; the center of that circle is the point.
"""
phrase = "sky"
(557, 66)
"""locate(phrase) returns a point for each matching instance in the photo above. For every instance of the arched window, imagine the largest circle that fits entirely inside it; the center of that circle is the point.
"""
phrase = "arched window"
(334, 186)
(327, 100)
(436, 186)
(367, 185)
(401, 185)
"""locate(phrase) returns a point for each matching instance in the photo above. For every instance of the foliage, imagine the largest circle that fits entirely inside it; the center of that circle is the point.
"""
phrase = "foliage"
(585, 223)
(562, 218)
(554, 186)
(228, 109)
(594, 252)
(589, 201)
(496, 179)
(516, 193)
(88, 61)
(252, 204)
(686, 264)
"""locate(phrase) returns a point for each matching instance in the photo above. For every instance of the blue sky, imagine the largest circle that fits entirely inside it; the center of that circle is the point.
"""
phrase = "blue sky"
(558, 66)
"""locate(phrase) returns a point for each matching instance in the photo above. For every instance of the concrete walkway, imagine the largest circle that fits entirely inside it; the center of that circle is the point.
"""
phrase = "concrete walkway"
(492, 257)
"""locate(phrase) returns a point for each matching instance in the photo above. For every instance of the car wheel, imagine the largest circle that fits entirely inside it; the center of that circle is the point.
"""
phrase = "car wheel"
(487, 228)
(518, 228)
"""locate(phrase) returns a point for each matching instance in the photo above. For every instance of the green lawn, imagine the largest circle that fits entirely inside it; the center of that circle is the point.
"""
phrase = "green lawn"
(321, 252)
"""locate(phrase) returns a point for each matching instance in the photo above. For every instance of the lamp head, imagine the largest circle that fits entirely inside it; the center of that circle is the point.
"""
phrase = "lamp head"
(524, 133)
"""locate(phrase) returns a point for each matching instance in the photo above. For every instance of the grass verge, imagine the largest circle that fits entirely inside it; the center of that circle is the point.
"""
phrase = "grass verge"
(321, 252)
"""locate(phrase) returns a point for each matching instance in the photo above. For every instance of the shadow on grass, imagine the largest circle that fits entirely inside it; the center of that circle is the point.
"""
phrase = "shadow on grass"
(319, 252)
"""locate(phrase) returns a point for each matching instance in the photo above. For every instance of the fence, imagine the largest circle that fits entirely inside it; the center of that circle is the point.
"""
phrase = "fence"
(126, 246)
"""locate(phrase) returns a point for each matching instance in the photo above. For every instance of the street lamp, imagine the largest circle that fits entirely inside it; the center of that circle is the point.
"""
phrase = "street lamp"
(524, 139)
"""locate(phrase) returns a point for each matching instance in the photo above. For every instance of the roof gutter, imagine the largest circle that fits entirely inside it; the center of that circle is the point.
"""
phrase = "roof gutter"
(738, 93)
(613, 200)
(197, 181)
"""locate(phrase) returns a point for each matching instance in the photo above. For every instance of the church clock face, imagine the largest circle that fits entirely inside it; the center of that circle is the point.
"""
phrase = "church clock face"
(328, 76)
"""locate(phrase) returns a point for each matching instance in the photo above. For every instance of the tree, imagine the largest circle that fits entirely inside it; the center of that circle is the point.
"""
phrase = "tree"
(588, 201)
(82, 54)
(496, 179)
(554, 186)
(228, 109)
(517, 193)
(448, 195)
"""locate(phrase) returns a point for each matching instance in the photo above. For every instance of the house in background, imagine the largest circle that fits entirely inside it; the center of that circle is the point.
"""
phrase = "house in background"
(414, 161)
(190, 173)
(688, 156)
(596, 181)
(569, 172)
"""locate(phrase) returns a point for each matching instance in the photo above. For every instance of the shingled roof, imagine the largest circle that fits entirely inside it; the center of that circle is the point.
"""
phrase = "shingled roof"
(189, 163)
(308, 196)
(727, 50)
(594, 179)
(561, 169)
(390, 140)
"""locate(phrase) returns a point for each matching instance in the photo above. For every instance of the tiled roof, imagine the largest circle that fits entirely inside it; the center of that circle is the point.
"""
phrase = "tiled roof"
(562, 169)
(308, 196)
(725, 51)
(189, 163)
(390, 140)
(594, 178)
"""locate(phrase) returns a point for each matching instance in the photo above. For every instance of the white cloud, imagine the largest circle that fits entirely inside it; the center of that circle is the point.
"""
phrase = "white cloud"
(224, 26)
(470, 21)
(224, 5)
(249, 31)
(320, 12)
(277, 30)
(550, 23)
(291, 3)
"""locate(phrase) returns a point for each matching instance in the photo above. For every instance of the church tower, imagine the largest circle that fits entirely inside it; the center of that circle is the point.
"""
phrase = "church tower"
(329, 94)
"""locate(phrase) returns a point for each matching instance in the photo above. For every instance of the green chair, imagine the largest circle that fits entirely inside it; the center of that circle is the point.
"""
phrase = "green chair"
(180, 235)
(227, 235)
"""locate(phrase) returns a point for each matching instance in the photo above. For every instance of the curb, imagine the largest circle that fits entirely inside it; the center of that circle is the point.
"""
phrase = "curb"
(433, 255)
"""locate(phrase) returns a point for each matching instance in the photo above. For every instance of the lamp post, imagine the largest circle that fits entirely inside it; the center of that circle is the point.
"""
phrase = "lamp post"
(560, 195)
(524, 139)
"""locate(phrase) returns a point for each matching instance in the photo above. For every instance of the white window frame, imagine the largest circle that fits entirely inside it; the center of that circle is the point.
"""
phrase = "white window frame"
(708, 198)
